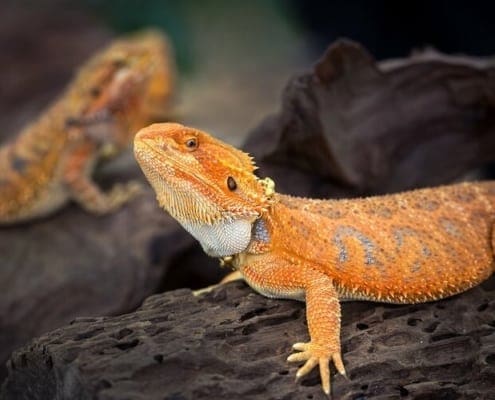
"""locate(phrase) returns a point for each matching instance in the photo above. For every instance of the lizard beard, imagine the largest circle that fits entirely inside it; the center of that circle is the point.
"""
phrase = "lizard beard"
(222, 238)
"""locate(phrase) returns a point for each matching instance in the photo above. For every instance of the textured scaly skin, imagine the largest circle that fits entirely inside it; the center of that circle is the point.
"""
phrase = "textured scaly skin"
(410, 247)
(120, 89)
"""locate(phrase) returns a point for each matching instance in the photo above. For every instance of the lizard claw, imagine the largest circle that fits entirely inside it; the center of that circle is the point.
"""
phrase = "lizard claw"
(122, 193)
(316, 355)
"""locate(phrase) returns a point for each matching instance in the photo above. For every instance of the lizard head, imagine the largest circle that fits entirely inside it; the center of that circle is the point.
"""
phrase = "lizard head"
(128, 84)
(207, 185)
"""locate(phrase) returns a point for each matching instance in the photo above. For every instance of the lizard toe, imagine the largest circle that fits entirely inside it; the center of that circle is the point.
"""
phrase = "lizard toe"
(314, 355)
(325, 375)
(339, 364)
(297, 357)
(307, 367)
(300, 346)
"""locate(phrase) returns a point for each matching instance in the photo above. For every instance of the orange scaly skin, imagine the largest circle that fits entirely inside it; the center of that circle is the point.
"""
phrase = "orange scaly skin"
(120, 89)
(410, 247)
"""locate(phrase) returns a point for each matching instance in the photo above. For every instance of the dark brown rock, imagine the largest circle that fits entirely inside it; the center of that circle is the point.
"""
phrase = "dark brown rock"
(232, 343)
(353, 126)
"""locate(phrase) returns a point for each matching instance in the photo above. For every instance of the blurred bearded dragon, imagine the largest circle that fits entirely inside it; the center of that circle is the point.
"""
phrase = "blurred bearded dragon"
(120, 89)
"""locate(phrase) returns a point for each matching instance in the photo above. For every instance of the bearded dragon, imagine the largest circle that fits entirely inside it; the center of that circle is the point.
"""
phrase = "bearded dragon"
(119, 90)
(411, 247)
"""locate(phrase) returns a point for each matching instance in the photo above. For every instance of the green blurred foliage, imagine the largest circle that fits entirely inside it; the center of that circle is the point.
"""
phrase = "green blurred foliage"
(179, 19)
(130, 15)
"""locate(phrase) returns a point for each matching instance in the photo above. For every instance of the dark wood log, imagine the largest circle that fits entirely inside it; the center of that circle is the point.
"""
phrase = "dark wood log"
(232, 344)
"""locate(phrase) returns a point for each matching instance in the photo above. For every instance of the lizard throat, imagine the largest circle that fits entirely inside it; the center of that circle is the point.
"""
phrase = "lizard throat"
(222, 238)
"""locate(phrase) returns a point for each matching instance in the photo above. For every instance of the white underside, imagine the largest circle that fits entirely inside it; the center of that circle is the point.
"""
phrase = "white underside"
(222, 239)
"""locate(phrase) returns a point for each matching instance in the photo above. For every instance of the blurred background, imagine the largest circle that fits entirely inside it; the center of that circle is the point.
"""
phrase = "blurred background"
(234, 57)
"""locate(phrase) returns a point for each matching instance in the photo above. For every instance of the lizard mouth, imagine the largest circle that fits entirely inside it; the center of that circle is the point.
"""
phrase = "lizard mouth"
(169, 175)
(157, 165)
(143, 149)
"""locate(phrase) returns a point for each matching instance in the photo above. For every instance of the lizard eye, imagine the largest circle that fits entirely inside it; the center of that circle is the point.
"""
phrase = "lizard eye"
(231, 184)
(191, 143)
(95, 92)
(119, 63)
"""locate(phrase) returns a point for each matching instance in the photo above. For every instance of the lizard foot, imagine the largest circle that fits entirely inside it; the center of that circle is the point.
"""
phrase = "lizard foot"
(315, 355)
(233, 276)
(122, 193)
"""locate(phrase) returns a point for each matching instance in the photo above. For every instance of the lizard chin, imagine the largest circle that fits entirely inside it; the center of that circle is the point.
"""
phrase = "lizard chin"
(223, 238)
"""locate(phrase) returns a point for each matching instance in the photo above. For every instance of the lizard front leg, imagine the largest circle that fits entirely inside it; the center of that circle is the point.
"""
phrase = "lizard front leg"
(278, 278)
(77, 177)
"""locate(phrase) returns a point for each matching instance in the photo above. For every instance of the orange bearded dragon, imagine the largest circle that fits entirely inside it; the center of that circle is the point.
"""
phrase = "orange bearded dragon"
(411, 247)
(120, 89)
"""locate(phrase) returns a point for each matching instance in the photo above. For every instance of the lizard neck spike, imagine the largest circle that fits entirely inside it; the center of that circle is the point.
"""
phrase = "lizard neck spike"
(269, 186)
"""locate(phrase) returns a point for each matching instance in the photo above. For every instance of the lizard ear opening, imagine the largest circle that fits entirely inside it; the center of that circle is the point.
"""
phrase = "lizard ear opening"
(231, 184)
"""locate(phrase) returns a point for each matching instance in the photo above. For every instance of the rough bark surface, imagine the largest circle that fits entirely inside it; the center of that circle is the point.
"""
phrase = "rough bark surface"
(232, 343)
(353, 126)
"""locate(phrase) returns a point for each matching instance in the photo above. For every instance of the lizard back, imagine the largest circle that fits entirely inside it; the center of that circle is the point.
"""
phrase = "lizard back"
(409, 247)
(28, 164)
